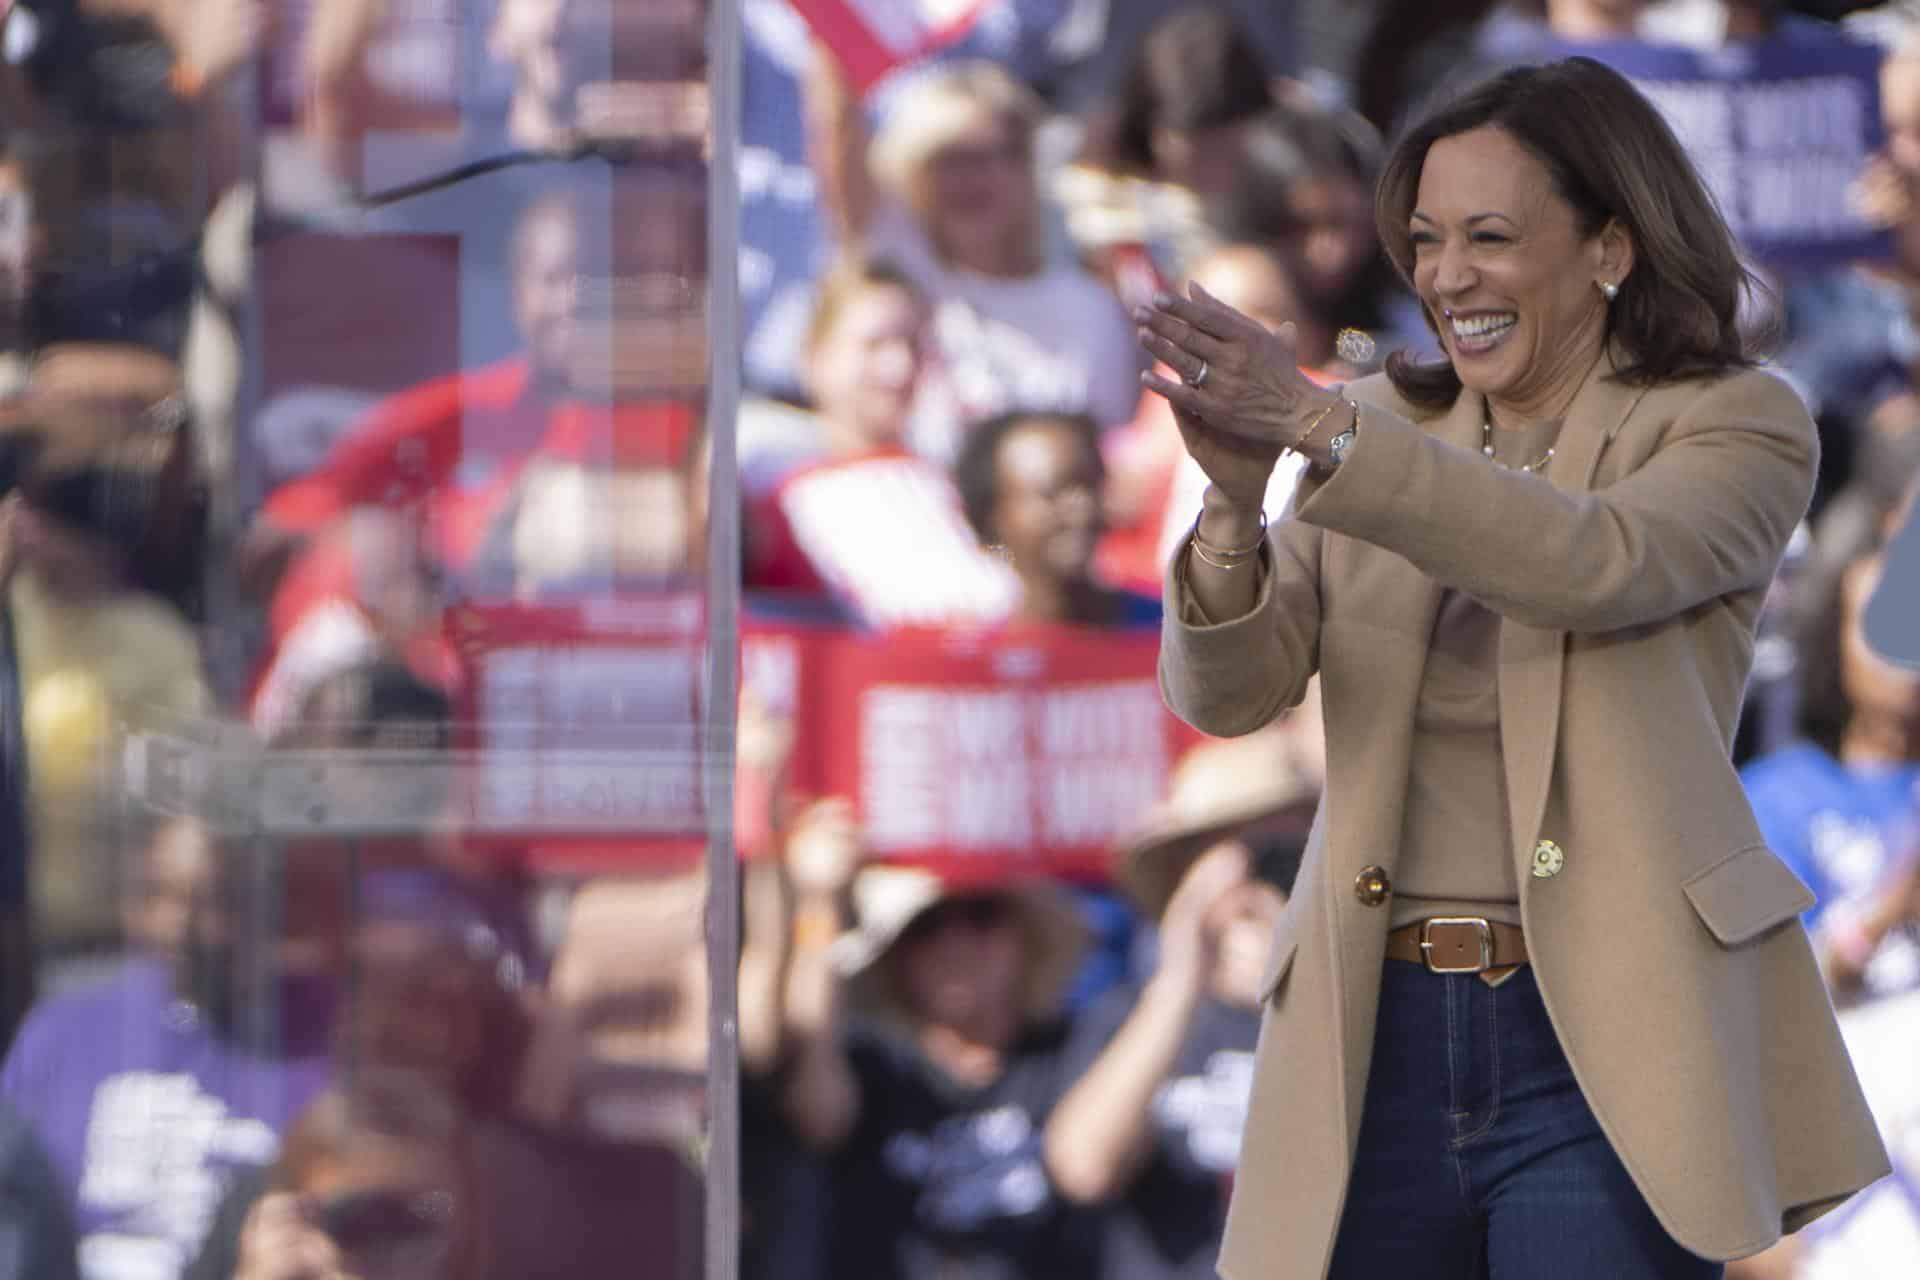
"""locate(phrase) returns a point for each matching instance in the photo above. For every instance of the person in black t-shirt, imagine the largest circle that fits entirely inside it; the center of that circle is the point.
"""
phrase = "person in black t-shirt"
(931, 1097)
(1151, 1129)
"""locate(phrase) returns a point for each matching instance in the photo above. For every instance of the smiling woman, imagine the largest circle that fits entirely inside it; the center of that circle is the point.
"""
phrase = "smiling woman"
(1528, 577)
(1614, 240)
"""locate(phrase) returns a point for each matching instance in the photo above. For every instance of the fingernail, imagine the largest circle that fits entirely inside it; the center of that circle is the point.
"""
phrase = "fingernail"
(1162, 300)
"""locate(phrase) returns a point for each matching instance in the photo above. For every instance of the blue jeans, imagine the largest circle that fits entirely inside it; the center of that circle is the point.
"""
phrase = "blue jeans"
(1479, 1157)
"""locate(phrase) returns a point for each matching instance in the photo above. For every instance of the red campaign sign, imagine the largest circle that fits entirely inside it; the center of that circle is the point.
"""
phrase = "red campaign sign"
(871, 38)
(582, 721)
(970, 751)
(979, 752)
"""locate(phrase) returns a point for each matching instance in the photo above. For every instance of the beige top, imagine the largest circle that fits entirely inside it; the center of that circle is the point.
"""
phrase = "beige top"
(1456, 857)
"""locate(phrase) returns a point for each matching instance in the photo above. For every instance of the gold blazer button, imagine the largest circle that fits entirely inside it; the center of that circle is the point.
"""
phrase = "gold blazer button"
(1547, 860)
(1371, 886)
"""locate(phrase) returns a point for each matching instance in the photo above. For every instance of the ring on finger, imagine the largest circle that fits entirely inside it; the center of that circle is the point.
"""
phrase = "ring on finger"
(1199, 378)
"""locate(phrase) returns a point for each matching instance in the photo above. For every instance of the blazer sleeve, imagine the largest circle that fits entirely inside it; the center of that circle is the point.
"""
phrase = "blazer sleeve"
(1232, 677)
(1706, 514)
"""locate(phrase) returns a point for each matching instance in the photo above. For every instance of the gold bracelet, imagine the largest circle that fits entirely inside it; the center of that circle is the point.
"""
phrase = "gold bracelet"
(1232, 553)
(1201, 551)
(1228, 557)
(1314, 425)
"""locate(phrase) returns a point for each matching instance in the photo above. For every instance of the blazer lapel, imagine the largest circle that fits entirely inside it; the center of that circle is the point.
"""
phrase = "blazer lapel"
(1532, 660)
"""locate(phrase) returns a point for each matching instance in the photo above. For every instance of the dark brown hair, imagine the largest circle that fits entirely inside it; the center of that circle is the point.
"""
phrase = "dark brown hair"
(1610, 156)
(976, 469)
(1195, 70)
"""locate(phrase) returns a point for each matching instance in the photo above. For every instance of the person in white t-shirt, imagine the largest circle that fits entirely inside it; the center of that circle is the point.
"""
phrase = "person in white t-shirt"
(948, 191)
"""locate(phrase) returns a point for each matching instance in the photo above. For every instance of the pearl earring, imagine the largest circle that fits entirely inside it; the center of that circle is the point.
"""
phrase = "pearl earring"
(1609, 290)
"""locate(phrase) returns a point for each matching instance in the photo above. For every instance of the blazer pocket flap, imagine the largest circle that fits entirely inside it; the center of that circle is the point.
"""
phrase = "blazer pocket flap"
(1279, 956)
(1745, 894)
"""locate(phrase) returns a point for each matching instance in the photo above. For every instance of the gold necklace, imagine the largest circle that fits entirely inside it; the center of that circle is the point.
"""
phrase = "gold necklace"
(1486, 447)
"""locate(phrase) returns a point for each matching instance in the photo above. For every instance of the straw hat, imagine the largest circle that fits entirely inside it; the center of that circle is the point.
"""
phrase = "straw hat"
(887, 900)
(1218, 789)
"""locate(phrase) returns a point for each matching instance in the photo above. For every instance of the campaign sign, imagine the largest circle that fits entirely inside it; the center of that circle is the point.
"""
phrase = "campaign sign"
(1781, 131)
(870, 38)
(979, 752)
(582, 722)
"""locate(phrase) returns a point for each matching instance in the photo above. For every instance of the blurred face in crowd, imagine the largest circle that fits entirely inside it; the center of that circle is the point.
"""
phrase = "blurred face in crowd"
(863, 371)
(418, 1002)
(976, 194)
(1872, 685)
(1332, 214)
(1508, 275)
(1242, 922)
(1588, 19)
(85, 378)
(959, 964)
(1048, 515)
(545, 287)
(172, 877)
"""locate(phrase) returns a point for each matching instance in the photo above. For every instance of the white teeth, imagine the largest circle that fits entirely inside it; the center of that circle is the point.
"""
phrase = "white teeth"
(1483, 326)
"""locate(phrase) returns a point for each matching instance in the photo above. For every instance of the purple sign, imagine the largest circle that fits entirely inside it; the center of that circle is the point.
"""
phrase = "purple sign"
(1781, 131)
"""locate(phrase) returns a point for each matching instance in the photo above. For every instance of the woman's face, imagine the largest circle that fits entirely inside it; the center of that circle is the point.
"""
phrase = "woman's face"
(1243, 922)
(1048, 514)
(1332, 214)
(1510, 279)
(866, 367)
(419, 1003)
(546, 276)
(977, 197)
(961, 962)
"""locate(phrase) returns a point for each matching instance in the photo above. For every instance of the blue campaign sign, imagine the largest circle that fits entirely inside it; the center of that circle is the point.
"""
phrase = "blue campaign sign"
(1781, 131)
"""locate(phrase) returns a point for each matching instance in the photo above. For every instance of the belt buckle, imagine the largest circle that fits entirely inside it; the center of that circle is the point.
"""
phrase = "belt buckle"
(1485, 930)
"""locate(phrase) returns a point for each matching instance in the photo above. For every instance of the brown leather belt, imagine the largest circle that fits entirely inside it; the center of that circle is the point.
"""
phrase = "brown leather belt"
(1458, 944)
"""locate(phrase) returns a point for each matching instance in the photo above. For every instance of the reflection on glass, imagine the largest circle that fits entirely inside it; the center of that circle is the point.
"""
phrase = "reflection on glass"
(354, 639)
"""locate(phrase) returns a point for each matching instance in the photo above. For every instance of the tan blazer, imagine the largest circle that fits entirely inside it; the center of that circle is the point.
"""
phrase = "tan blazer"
(1663, 932)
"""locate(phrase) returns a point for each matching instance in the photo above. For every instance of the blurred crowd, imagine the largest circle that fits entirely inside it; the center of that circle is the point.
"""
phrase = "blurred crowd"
(362, 516)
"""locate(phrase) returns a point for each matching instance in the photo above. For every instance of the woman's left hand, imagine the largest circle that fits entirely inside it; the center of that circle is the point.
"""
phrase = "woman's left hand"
(1236, 375)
